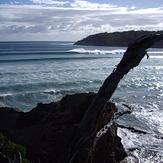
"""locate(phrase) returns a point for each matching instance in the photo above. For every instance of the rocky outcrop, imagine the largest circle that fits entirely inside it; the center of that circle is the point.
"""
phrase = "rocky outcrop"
(118, 39)
(47, 130)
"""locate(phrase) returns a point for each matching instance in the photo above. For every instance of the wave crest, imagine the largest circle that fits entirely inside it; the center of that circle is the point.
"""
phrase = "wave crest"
(97, 51)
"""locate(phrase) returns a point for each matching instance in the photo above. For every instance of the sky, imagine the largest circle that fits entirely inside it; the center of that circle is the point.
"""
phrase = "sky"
(72, 20)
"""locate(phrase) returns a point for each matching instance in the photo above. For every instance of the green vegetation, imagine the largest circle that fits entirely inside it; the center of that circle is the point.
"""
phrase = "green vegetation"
(11, 152)
(121, 39)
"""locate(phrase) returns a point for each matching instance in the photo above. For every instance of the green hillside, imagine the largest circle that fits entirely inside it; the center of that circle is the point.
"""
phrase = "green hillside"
(121, 39)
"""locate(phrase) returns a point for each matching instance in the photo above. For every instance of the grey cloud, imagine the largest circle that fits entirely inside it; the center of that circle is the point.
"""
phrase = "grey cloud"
(119, 20)
(22, 29)
(11, 29)
(36, 29)
(50, 20)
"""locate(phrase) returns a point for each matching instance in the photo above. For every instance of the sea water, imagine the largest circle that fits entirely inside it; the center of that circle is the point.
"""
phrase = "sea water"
(34, 72)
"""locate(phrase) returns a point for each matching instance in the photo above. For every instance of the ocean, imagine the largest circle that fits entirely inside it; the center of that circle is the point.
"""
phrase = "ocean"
(43, 72)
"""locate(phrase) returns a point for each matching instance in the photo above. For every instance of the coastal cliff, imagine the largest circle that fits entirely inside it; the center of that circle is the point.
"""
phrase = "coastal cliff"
(119, 39)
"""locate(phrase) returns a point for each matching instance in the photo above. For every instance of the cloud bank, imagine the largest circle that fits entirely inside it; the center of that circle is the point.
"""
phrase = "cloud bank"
(72, 20)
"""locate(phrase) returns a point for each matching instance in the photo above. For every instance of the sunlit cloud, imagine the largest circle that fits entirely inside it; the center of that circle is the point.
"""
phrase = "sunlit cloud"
(49, 2)
(90, 5)
(133, 7)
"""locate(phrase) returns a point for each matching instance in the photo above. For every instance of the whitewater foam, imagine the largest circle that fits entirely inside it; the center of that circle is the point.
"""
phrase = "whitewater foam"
(97, 51)
(142, 148)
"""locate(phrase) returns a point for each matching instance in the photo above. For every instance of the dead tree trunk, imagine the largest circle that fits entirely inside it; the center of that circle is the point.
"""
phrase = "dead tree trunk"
(84, 136)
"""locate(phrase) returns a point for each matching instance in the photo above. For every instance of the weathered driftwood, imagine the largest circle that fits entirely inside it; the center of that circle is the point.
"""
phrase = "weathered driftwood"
(85, 135)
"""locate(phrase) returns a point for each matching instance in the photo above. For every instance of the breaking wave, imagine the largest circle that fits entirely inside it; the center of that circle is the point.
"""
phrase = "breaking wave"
(97, 51)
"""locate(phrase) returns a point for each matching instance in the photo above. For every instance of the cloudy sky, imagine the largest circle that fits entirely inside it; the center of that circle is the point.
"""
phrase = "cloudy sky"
(71, 20)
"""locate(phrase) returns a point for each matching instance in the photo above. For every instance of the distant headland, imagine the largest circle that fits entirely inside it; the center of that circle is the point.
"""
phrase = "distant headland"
(119, 39)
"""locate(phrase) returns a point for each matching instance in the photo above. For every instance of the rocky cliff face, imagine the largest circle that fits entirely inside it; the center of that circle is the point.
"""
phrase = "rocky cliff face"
(47, 130)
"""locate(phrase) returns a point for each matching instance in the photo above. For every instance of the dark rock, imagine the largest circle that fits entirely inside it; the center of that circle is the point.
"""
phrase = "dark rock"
(47, 130)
